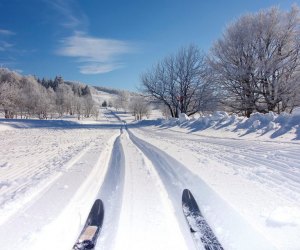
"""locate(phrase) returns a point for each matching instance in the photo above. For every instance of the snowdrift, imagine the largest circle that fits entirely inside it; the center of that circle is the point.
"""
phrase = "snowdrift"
(271, 125)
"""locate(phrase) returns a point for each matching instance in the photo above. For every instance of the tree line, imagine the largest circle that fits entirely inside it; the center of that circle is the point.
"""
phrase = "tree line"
(253, 67)
(29, 97)
(127, 101)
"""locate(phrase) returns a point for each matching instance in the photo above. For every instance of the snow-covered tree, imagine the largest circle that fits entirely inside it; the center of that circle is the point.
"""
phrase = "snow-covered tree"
(180, 82)
(30, 97)
(78, 106)
(95, 112)
(9, 92)
(88, 104)
(139, 107)
(64, 94)
(256, 61)
(123, 100)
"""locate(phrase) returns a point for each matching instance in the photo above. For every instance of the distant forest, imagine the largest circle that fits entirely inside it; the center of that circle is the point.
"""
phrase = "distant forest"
(30, 97)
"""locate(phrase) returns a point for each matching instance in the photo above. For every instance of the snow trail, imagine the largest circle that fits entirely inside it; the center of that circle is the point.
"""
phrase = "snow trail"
(111, 193)
(57, 210)
(220, 215)
(147, 218)
(51, 173)
(259, 179)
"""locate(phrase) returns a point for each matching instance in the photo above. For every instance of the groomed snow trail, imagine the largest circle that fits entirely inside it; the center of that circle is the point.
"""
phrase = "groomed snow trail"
(177, 177)
(51, 174)
(147, 219)
(54, 205)
(260, 180)
(111, 194)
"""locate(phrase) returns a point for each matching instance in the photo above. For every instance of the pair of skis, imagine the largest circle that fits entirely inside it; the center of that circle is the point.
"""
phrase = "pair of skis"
(199, 228)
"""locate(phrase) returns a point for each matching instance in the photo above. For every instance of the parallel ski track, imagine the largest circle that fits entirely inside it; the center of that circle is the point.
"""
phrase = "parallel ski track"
(47, 205)
(279, 167)
(38, 165)
(147, 218)
(177, 177)
(111, 193)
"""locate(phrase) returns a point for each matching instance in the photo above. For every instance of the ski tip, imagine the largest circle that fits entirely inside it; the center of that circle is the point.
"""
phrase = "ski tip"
(99, 203)
(186, 190)
(186, 194)
(189, 200)
(98, 206)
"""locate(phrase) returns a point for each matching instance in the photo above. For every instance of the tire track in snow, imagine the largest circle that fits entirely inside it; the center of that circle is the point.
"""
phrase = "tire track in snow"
(176, 177)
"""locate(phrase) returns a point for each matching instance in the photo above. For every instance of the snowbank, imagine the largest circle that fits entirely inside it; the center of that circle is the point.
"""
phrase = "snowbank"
(183, 118)
(6, 124)
(284, 216)
(269, 125)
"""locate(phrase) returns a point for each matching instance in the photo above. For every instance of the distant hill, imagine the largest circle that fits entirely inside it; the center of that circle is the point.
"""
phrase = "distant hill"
(108, 90)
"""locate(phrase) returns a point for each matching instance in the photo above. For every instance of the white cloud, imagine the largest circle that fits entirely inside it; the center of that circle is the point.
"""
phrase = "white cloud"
(71, 13)
(4, 46)
(4, 35)
(98, 55)
(97, 68)
(6, 32)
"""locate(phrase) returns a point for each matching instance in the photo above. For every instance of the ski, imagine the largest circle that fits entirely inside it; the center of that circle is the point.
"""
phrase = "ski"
(200, 230)
(90, 232)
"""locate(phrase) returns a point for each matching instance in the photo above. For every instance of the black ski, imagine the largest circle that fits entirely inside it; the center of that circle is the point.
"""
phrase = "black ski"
(90, 232)
(201, 231)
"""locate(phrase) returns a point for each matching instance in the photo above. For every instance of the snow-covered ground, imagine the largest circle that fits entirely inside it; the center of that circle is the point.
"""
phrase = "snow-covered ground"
(244, 174)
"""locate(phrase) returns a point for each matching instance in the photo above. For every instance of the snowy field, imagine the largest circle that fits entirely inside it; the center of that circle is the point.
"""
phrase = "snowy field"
(244, 174)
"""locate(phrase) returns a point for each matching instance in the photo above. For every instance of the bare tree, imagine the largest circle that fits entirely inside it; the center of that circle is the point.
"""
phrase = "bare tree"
(256, 62)
(95, 112)
(123, 100)
(32, 92)
(30, 97)
(9, 99)
(139, 107)
(88, 104)
(64, 95)
(78, 106)
(9, 92)
(180, 82)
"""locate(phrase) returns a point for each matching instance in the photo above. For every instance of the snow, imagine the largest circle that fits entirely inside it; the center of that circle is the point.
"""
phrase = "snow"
(244, 174)
(284, 216)
(256, 178)
(183, 118)
(220, 124)
(146, 211)
(296, 111)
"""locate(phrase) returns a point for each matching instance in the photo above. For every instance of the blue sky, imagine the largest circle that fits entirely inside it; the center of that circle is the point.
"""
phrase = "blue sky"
(108, 42)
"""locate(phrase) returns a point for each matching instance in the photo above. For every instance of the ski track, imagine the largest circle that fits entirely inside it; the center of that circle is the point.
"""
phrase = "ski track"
(147, 216)
(255, 161)
(219, 214)
(270, 168)
(111, 194)
(51, 177)
(42, 155)
(52, 166)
